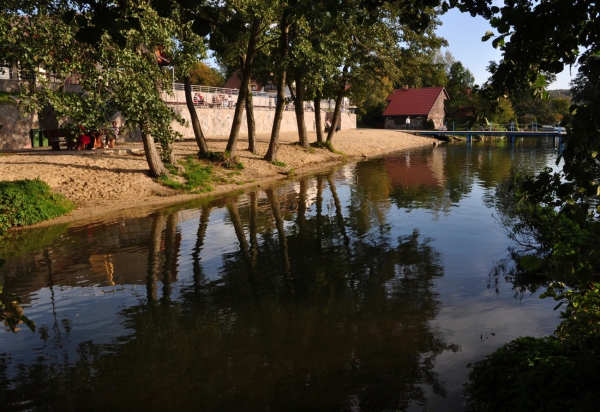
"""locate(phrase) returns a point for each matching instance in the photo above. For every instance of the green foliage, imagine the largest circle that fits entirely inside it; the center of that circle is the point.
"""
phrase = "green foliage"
(225, 159)
(203, 75)
(555, 373)
(26, 202)
(428, 124)
(12, 313)
(18, 242)
(5, 98)
(278, 163)
(327, 146)
(198, 177)
(581, 325)
(530, 374)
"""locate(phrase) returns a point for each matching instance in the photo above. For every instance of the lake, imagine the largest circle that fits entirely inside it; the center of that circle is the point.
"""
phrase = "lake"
(368, 287)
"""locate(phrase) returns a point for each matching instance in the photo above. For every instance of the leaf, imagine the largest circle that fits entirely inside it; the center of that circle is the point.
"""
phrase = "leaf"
(488, 35)
(530, 263)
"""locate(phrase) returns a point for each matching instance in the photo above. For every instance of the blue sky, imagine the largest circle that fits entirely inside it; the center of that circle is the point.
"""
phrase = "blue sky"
(464, 34)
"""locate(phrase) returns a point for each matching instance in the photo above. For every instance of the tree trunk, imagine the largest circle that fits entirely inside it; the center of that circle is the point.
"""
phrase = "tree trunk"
(154, 252)
(338, 106)
(187, 84)
(250, 120)
(246, 73)
(317, 104)
(319, 218)
(299, 108)
(283, 244)
(274, 143)
(170, 258)
(157, 168)
(199, 278)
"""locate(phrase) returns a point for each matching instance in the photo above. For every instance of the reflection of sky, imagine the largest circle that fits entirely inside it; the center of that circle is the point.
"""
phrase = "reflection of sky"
(219, 239)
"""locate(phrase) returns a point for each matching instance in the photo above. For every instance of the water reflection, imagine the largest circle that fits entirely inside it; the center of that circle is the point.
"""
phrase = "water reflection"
(317, 295)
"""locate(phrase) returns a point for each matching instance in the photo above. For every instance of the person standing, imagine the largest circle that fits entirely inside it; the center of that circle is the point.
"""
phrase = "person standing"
(115, 131)
(407, 122)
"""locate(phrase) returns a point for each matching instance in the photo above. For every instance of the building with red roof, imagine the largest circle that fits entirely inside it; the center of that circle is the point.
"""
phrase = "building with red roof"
(426, 103)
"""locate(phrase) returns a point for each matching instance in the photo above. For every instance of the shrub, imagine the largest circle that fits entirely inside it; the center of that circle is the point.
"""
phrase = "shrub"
(26, 202)
(535, 374)
(556, 373)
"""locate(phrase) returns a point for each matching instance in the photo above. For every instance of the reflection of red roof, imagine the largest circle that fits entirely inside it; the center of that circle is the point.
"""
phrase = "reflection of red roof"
(235, 81)
(413, 102)
(404, 173)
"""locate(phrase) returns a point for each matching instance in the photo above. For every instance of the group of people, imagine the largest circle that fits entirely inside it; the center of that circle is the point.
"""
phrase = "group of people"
(98, 139)
(223, 100)
(199, 100)
(218, 100)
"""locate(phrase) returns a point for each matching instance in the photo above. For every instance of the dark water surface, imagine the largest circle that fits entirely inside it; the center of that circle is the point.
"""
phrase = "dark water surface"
(366, 288)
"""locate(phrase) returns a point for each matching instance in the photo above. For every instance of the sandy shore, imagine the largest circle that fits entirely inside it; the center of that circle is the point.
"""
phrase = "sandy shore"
(102, 182)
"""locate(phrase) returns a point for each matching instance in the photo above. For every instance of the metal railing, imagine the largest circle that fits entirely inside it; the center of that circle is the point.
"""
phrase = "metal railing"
(260, 100)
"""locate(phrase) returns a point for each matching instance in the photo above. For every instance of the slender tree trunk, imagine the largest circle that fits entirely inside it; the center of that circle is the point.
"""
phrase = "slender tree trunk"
(317, 104)
(234, 215)
(319, 218)
(274, 201)
(157, 168)
(246, 73)
(250, 120)
(274, 143)
(171, 253)
(199, 277)
(158, 223)
(253, 227)
(299, 108)
(338, 106)
(187, 84)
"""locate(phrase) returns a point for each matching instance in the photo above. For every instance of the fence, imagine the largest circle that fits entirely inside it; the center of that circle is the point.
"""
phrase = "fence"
(218, 97)
(508, 127)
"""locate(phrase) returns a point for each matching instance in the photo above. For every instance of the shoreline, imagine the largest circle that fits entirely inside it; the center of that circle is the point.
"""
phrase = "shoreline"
(103, 183)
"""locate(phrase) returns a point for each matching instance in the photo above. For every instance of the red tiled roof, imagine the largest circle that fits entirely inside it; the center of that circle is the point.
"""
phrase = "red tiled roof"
(235, 81)
(412, 102)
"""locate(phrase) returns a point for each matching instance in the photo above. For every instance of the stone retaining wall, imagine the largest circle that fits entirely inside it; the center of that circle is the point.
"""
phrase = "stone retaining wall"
(215, 122)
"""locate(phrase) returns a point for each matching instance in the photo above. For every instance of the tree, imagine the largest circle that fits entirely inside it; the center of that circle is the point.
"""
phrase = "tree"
(112, 52)
(203, 75)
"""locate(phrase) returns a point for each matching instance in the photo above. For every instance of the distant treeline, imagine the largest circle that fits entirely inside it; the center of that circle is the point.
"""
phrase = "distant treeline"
(564, 93)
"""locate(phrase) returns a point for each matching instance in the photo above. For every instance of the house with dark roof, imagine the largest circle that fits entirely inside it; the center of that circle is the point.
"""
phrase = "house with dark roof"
(419, 104)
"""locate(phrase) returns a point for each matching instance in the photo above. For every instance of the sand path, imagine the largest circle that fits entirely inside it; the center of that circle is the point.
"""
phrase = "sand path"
(101, 182)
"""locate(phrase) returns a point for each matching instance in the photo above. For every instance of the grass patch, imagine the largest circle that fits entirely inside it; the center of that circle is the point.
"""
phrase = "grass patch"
(326, 145)
(5, 98)
(26, 202)
(225, 158)
(278, 163)
(197, 175)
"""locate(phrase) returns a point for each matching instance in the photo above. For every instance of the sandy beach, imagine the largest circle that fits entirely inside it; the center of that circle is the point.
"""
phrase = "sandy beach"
(104, 181)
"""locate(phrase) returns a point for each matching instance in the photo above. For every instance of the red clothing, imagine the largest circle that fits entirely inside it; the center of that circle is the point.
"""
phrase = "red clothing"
(84, 138)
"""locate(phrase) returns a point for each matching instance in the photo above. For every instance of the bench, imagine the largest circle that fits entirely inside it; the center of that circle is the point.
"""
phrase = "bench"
(56, 136)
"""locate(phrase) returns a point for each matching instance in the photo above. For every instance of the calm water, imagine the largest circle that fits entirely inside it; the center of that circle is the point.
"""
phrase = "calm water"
(366, 288)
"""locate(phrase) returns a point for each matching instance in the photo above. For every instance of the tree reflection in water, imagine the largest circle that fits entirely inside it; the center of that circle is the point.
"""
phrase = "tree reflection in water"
(318, 308)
